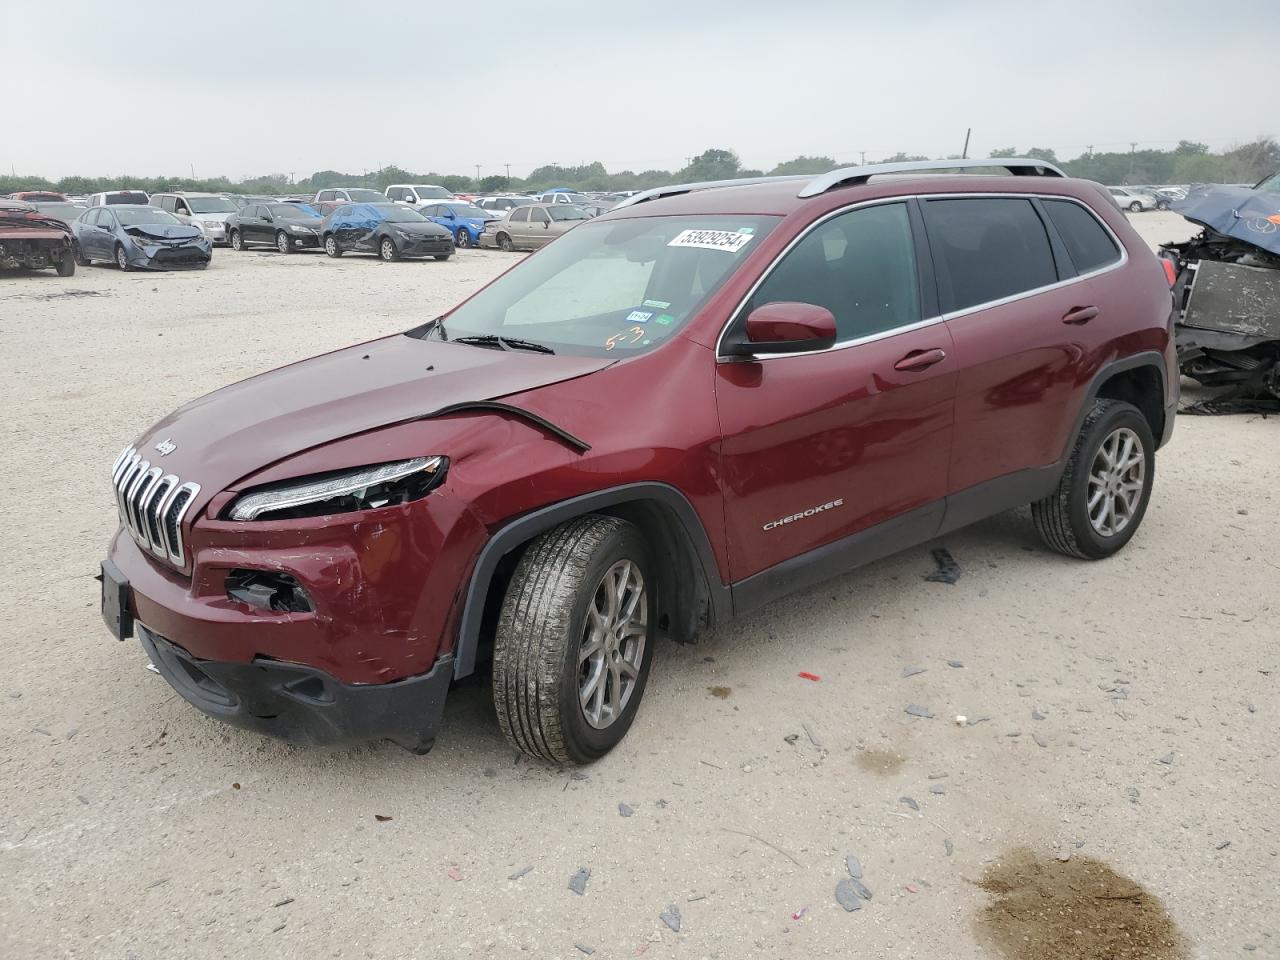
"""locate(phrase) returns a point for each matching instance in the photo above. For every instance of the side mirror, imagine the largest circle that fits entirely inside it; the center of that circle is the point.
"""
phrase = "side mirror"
(784, 327)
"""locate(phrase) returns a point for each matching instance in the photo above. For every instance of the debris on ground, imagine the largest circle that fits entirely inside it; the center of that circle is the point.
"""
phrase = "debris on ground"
(1040, 741)
(791, 738)
(671, 917)
(938, 789)
(583, 948)
(911, 888)
(454, 873)
(948, 846)
(283, 903)
(578, 882)
(800, 914)
(955, 664)
(812, 738)
(918, 711)
(948, 570)
(520, 873)
(909, 802)
(1167, 759)
(720, 693)
(805, 675)
(847, 896)
(1223, 845)
(377, 816)
(860, 888)
(1079, 910)
(972, 721)
(625, 810)
(855, 868)
(911, 671)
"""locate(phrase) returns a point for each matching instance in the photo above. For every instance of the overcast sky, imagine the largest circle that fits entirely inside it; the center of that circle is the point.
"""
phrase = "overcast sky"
(159, 87)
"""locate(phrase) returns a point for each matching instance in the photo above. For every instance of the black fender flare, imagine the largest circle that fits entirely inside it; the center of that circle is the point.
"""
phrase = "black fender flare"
(1147, 358)
(525, 528)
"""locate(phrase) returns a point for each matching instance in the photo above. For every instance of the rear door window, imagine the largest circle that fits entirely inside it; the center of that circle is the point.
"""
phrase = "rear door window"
(1086, 240)
(860, 265)
(987, 249)
(520, 216)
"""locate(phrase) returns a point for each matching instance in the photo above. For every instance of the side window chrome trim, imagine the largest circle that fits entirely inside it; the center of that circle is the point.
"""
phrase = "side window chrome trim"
(928, 321)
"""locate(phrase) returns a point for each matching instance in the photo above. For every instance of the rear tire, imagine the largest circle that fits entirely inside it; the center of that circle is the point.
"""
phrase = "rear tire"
(331, 246)
(1073, 519)
(505, 243)
(122, 259)
(574, 640)
(237, 240)
(67, 266)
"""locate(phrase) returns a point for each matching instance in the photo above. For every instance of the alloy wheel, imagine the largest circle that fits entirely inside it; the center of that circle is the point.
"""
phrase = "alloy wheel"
(237, 242)
(612, 647)
(1116, 480)
(388, 250)
(283, 243)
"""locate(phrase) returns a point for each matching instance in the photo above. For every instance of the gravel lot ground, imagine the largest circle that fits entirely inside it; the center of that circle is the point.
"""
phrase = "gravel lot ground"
(133, 827)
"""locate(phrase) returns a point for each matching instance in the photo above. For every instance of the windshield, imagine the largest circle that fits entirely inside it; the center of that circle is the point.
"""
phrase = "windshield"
(611, 289)
(292, 211)
(466, 210)
(400, 214)
(1271, 184)
(366, 196)
(133, 218)
(210, 205)
(568, 213)
(126, 196)
(433, 193)
(65, 212)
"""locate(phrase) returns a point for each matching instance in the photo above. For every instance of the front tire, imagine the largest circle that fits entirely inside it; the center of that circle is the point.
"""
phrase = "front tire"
(122, 258)
(387, 250)
(331, 246)
(81, 259)
(462, 239)
(1135, 207)
(284, 242)
(67, 266)
(1104, 491)
(574, 640)
(237, 240)
(505, 243)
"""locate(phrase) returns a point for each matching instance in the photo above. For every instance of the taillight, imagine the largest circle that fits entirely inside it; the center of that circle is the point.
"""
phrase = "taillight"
(1170, 271)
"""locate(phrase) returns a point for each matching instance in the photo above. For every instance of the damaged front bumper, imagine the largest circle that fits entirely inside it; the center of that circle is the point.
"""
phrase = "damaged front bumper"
(302, 704)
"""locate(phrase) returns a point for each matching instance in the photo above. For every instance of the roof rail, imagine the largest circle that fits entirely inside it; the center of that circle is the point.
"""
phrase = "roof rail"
(847, 176)
(679, 188)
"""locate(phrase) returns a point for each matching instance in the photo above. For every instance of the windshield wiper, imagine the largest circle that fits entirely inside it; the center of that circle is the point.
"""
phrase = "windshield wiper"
(502, 343)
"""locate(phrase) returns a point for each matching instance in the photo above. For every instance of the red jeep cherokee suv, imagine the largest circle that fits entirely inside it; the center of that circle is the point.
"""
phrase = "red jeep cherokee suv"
(712, 396)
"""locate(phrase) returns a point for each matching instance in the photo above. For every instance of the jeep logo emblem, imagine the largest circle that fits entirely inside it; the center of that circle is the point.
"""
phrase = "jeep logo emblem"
(166, 447)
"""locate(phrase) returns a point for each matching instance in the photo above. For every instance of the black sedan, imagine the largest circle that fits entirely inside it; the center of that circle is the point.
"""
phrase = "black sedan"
(139, 237)
(389, 230)
(286, 226)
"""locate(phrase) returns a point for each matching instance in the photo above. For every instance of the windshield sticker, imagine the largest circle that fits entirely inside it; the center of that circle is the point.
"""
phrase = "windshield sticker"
(639, 316)
(657, 304)
(747, 230)
(665, 319)
(731, 241)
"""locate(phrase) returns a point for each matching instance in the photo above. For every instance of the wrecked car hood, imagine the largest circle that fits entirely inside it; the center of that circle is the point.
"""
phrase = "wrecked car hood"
(163, 231)
(1239, 212)
(240, 429)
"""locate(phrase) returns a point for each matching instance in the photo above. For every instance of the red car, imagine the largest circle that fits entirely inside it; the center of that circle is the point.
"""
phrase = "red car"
(709, 397)
(31, 240)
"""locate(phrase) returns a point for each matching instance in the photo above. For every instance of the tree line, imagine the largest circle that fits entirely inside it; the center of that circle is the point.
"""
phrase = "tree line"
(1188, 162)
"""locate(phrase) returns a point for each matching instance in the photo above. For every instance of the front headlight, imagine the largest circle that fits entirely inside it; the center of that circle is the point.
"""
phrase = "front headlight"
(365, 489)
(298, 228)
(213, 224)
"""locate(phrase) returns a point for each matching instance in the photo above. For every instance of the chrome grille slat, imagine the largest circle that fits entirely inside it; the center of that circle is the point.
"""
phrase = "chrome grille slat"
(152, 504)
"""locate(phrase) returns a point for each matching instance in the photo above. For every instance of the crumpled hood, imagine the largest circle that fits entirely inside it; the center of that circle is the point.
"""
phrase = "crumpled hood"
(240, 429)
(164, 231)
(1239, 212)
(417, 228)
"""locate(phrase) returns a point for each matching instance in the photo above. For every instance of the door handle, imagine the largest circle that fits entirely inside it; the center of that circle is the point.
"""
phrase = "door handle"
(1080, 315)
(919, 359)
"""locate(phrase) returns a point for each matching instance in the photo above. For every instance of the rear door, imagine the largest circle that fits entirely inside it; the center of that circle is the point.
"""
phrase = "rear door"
(1022, 319)
(539, 227)
(818, 447)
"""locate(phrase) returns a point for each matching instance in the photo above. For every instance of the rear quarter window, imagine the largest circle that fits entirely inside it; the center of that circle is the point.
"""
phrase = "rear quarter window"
(1086, 240)
(989, 248)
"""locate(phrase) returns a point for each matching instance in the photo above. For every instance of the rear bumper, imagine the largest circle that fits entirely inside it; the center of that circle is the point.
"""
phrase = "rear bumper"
(304, 705)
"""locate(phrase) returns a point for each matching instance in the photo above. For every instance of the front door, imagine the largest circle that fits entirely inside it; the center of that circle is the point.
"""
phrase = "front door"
(539, 227)
(854, 440)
